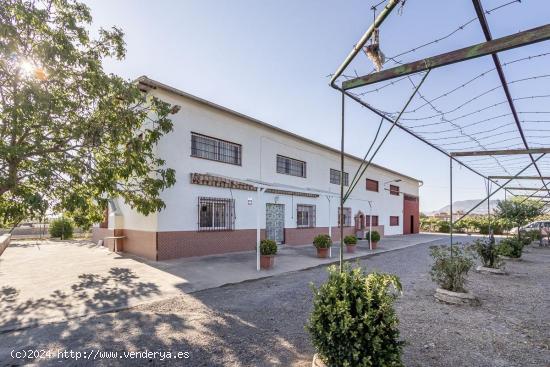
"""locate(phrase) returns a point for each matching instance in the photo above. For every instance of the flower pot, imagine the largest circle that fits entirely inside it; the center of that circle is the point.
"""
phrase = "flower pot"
(350, 248)
(374, 244)
(267, 261)
(322, 252)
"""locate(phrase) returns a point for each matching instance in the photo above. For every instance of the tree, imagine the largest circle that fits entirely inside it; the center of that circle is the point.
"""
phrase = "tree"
(519, 211)
(72, 135)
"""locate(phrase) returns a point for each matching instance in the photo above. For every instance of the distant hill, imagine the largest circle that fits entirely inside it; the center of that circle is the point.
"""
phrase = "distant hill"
(465, 205)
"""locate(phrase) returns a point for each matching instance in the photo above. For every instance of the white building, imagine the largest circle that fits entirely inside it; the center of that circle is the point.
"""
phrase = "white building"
(222, 157)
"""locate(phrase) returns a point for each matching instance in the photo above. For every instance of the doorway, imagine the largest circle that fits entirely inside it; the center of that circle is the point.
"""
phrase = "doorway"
(275, 222)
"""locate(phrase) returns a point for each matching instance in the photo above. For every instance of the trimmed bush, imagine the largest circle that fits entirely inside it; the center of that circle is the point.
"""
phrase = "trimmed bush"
(443, 226)
(268, 247)
(353, 322)
(488, 253)
(350, 240)
(322, 241)
(451, 266)
(61, 228)
(510, 247)
(375, 236)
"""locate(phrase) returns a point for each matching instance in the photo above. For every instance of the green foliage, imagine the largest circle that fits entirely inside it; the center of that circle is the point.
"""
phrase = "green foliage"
(322, 241)
(375, 237)
(510, 247)
(451, 266)
(488, 253)
(353, 322)
(532, 235)
(70, 133)
(268, 247)
(61, 228)
(519, 211)
(350, 240)
(443, 226)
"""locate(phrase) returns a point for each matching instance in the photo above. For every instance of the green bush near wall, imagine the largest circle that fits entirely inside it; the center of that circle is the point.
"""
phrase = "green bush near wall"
(61, 228)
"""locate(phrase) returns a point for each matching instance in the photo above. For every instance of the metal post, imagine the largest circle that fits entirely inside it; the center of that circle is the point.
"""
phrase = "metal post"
(258, 216)
(329, 226)
(451, 202)
(370, 225)
(342, 187)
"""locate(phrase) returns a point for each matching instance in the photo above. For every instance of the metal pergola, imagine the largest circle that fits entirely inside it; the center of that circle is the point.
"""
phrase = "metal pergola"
(518, 157)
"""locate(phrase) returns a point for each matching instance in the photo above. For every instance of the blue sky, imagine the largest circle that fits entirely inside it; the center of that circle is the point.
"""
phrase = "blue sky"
(270, 59)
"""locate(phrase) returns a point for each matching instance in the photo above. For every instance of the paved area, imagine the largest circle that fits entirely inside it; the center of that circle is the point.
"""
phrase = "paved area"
(53, 280)
(261, 322)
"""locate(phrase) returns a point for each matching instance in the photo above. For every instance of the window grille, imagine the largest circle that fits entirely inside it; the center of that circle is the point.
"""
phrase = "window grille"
(372, 185)
(215, 149)
(374, 220)
(394, 190)
(335, 177)
(394, 220)
(216, 214)
(305, 216)
(346, 215)
(290, 166)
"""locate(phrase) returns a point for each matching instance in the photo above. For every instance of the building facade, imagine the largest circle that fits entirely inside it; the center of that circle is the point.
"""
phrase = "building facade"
(235, 174)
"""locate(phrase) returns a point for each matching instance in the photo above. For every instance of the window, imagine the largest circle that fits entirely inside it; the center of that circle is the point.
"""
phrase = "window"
(374, 220)
(305, 216)
(372, 185)
(335, 177)
(215, 149)
(216, 214)
(394, 220)
(346, 216)
(289, 166)
(394, 190)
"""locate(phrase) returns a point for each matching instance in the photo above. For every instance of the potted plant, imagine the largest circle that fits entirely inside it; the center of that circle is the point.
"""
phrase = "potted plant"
(487, 251)
(351, 242)
(375, 237)
(268, 249)
(322, 242)
(449, 270)
(353, 321)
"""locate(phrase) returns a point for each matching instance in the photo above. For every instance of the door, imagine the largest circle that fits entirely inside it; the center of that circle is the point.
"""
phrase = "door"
(411, 211)
(275, 222)
(412, 224)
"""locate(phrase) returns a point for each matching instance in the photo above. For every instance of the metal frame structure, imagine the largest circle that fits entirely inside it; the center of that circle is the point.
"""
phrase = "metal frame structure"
(489, 48)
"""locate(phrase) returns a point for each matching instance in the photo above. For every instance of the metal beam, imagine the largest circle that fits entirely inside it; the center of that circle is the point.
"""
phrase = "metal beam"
(526, 188)
(539, 197)
(520, 177)
(501, 152)
(520, 39)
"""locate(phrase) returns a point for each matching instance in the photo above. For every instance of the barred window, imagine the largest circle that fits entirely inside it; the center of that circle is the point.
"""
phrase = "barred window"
(394, 190)
(372, 185)
(394, 220)
(290, 166)
(335, 177)
(216, 214)
(215, 149)
(374, 220)
(305, 216)
(346, 216)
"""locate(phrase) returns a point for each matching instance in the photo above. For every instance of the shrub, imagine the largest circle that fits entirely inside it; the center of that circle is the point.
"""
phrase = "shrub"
(353, 322)
(375, 236)
(350, 240)
(530, 236)
(451, 266)
(268, 247)
(510, 247)
(443, 226)
(322, 241)
(488, 252)
(61, 228)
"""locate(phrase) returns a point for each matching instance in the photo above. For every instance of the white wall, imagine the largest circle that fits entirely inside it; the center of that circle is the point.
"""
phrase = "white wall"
(260, 146)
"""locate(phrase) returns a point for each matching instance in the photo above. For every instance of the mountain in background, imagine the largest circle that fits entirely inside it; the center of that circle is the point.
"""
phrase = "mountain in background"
(465, 205)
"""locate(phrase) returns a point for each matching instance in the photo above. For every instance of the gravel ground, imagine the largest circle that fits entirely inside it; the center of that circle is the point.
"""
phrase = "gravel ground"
(261, 322)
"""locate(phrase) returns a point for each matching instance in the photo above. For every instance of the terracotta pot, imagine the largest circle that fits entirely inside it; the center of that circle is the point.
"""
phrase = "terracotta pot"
(267, 261)
(374, 244)
(322, 252)
(350, 248)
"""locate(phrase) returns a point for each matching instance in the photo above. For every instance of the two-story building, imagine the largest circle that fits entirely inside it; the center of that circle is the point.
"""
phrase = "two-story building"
(236, 174)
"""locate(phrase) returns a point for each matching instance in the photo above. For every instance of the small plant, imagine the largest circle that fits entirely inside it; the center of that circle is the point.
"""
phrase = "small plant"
(375, 237)
(443, 226)
(488, 252)
(322, 241)
(350, 240)
(268, 247)
(451, 266)
(353, 322)
(61, 228)
(510, 247)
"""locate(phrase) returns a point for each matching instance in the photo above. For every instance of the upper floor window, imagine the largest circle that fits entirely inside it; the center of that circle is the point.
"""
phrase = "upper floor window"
(372, 185)
(335, 177)
(215, 149)
(394, 220)
(290, 166)
(394, 190)
(346, 216)
(305, 216)
(216, 214)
